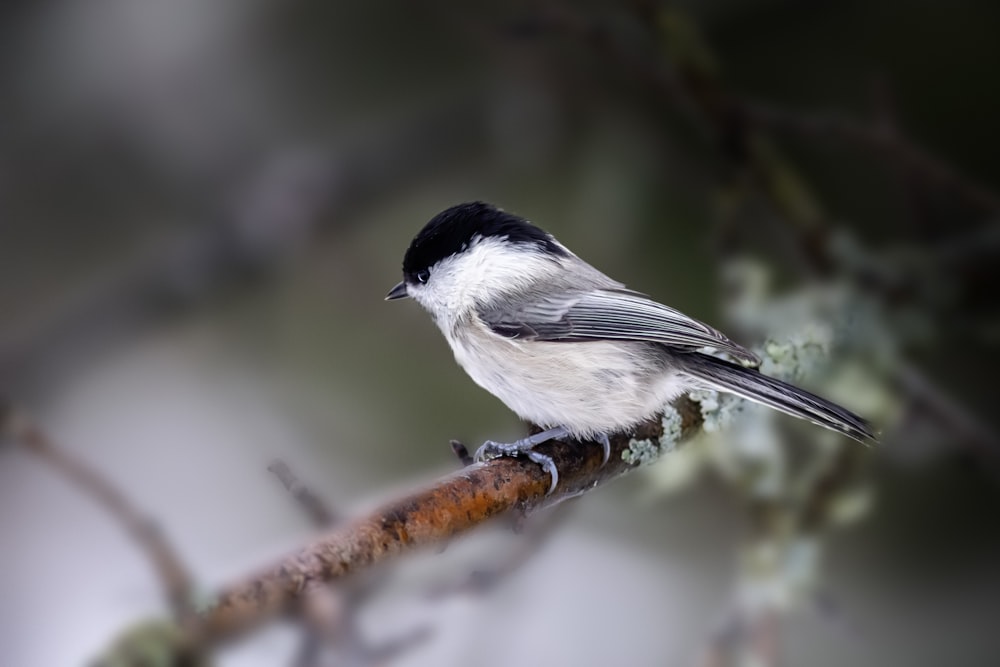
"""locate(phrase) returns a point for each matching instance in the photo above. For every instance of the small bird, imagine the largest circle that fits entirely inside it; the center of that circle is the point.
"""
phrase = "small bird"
(568, 348)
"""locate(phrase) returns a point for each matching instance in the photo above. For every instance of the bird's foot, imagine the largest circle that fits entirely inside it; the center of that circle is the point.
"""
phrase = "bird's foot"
(526, 447)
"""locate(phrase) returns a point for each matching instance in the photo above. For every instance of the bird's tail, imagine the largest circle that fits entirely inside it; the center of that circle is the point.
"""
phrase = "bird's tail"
(753, 385)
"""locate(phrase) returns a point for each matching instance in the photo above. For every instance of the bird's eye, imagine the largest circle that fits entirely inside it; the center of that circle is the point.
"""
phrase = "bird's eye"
(422, 276)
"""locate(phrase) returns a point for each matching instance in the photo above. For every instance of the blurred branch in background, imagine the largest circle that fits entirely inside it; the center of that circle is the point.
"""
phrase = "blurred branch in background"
(264, 222)
(878, 139)
(317, 509)
(676, 66)
(177, 584)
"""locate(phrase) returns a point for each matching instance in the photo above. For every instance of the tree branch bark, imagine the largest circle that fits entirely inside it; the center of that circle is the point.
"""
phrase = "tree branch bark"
(433, 515)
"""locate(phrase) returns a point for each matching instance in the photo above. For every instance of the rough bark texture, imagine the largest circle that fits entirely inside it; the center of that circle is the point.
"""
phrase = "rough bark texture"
(434, 515)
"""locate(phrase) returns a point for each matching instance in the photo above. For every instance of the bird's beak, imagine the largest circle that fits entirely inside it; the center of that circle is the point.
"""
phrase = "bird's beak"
(397, 292)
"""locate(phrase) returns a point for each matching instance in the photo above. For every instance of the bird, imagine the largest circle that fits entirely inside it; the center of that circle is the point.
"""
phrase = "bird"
(568, 348)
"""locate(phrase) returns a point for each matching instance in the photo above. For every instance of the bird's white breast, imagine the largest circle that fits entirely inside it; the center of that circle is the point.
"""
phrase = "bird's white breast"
(589, 388)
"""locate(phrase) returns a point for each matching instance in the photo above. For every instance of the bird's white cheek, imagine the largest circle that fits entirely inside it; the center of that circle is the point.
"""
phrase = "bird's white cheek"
(426, 298)
(440, 311)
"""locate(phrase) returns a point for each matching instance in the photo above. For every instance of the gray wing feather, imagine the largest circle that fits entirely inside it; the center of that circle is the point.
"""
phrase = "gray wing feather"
(607, 314)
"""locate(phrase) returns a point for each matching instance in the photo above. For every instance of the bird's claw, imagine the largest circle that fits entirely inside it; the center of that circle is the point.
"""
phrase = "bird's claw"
(606, 441)
(494, 450)
(526, 447)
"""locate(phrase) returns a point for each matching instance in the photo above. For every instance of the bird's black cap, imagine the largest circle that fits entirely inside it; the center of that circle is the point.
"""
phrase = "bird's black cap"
(453, 230)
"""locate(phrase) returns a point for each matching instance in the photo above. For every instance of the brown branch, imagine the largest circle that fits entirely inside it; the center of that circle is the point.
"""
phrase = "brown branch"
(170, 569)
(434, 515)
(328, 611)
(448, 508)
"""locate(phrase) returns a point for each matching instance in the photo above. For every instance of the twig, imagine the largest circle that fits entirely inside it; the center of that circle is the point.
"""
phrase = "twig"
(453, 505)
(327, 616)
(315, 507)
(170, 569)
(687, 80)
(331, 187)
(329, 610)
(876, 139)
(812, 511)
(392, 648)
(967, 426)
(331, 621)
(462, 452)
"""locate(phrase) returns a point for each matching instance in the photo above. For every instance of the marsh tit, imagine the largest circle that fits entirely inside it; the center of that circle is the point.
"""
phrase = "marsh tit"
(568, 348)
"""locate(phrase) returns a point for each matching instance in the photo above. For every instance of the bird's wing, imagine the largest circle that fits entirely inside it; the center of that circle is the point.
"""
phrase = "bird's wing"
(607, 314)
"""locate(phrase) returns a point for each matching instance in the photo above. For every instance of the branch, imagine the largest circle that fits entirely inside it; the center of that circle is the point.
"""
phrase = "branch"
(318, 511)
(446, 509)
(533, 535)
(970, 429)
(329, 611)
(687, 79)
(249, 232)
(876, 139)
(170, 569)
(451, 506)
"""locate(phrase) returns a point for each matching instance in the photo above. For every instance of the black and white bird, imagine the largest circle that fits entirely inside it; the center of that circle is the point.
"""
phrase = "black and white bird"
(568, 348)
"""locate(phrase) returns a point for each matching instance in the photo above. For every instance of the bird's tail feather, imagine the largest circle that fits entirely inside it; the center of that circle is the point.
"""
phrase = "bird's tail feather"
(753, 385)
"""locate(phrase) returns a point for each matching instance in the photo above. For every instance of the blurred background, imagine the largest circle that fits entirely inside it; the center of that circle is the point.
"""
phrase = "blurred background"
(202, 205)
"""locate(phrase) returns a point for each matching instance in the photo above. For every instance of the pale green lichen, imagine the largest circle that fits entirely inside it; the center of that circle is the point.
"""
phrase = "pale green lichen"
(641, 452)
(646, 451)
(202, 600)
(708, 401)
(718, 411)
(151, 642)
(804, 354)
(673, 427)
(851, 505)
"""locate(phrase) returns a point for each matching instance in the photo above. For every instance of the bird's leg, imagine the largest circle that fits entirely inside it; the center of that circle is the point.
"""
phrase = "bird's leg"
(526, 446)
